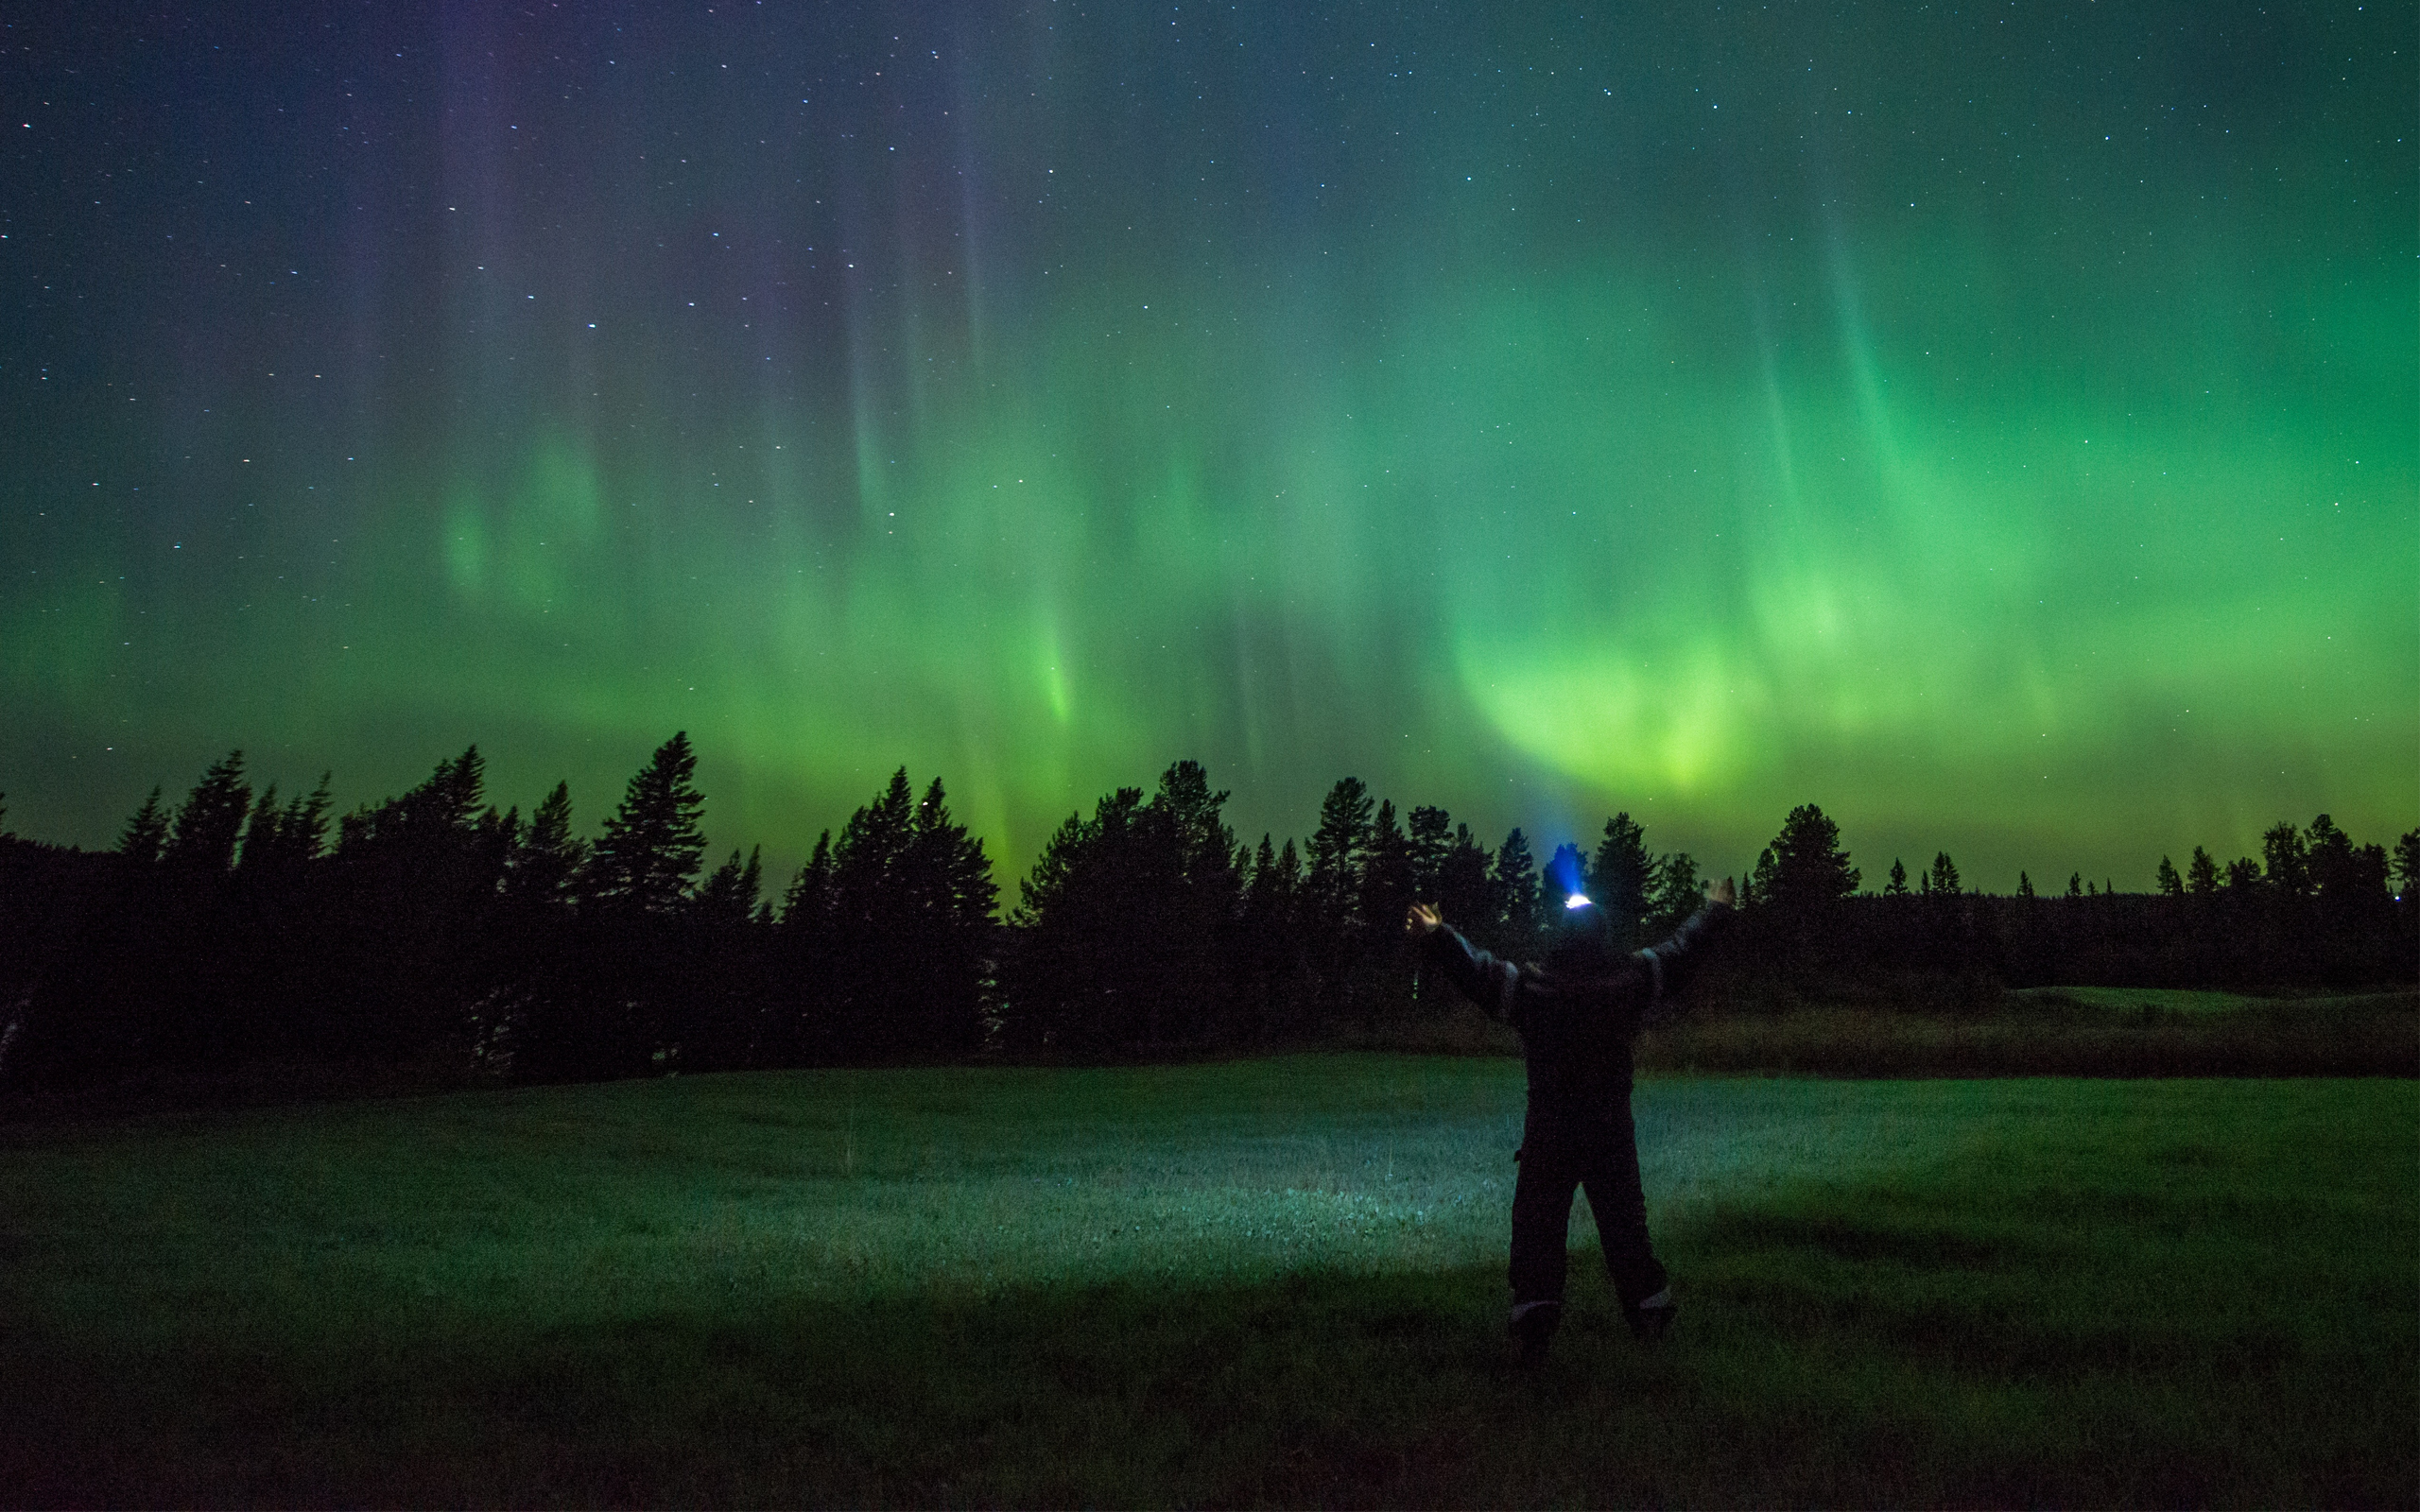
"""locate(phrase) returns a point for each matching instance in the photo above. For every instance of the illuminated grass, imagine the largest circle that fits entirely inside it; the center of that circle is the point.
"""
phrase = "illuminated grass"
(1275, 1280)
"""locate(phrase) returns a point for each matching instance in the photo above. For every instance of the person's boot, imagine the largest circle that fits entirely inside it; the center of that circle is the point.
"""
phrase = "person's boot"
(1532, 1329)
(1651, 1316)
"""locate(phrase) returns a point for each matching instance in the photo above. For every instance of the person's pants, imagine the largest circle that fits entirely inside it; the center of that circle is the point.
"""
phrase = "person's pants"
(1602, 1157)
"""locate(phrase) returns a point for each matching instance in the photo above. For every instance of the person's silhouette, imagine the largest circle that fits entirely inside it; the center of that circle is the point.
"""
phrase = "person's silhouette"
(1577, 1013)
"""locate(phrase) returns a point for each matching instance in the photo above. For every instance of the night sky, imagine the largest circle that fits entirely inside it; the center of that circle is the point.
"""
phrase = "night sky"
(1997, 423)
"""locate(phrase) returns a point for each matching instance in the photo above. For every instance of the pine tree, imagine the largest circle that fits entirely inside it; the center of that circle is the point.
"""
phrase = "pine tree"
(2406, 864)
(1679, 892)
(2024, 885)
(1266, 950)
(728, 895)
(2169, 883)
(146, 832)
(260, 842)
(1810, 870)
(1385, 892)
(1620, 876)
(1083, 973)
(1897, 885)
(1189, 812)
(947, 898)
(203, 839)
(1517, 897)
(651, 847)
(549, 858)
(2330, 865)
(1945, 874)
(806, 908)
(2075, 884)
(2285, 860)
(1463, 888)
(2201, 874)
(1336, 851)
(865, 860)
(1429, 832)
(1764, 879)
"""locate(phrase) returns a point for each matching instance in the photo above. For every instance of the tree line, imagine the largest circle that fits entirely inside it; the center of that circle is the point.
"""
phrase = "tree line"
(238, 928)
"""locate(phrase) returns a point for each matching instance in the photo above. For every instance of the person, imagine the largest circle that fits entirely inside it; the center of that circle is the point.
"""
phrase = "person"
(1577, 1014)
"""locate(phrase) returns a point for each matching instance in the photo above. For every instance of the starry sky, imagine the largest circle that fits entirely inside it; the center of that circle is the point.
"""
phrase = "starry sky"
(1998, 423)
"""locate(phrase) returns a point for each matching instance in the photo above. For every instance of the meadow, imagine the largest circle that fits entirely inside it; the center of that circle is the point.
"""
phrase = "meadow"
(1272, 1281)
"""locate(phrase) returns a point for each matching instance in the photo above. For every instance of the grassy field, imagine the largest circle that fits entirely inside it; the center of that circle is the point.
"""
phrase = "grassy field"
(1259, 1282)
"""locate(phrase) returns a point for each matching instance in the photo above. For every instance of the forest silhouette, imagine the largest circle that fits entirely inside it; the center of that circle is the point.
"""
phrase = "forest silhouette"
(435, 930)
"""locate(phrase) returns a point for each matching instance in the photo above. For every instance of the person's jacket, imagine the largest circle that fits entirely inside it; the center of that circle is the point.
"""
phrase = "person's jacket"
(1576, 1028)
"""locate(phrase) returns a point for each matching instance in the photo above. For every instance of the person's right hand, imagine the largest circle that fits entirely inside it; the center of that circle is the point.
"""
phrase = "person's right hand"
(1725, 893)
(1422, 919)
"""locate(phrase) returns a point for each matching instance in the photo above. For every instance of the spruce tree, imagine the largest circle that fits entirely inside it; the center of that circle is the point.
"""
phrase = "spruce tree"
(2285, 860)
(1945, 874)
(1679, 891)
(728, 895)
(1897, 885)
(1337, 853)
(1517, 898)
(549, 858)
(1620, 876)
(949, 898)
(1464, 889)
(806, 908)
(260, 843)
(203, 838)
(146, 832)
(2169, 883)
(1429, 833)
(2330, 864)
(2201, 874)
(1764, 879)
(2024, 885)
(651, 847)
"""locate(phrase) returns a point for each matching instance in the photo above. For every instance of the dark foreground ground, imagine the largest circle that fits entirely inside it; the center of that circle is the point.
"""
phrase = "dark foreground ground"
(1275, 1282)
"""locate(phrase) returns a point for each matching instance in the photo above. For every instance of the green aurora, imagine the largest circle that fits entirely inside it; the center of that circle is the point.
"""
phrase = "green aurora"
(2006, 435)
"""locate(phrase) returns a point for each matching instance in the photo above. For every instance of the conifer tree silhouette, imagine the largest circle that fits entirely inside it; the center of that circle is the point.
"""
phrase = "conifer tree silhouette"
(2406, 864)
(1517, 895)
(651, 846)
(202, 841)
(1809, 868)
(1620, 876)
(1679, 892)
(145, 834)
(2285, 860)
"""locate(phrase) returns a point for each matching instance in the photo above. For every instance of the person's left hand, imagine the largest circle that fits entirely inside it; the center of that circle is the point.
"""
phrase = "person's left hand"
(1422, 919)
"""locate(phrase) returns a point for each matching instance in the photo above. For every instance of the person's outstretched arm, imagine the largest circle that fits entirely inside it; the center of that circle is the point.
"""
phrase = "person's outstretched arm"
(1673, 962)
(1482, 977)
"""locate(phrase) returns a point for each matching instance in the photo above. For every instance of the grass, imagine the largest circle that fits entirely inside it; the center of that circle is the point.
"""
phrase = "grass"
(2063, 1031)
(1257, 1281)
(2051, 1031)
